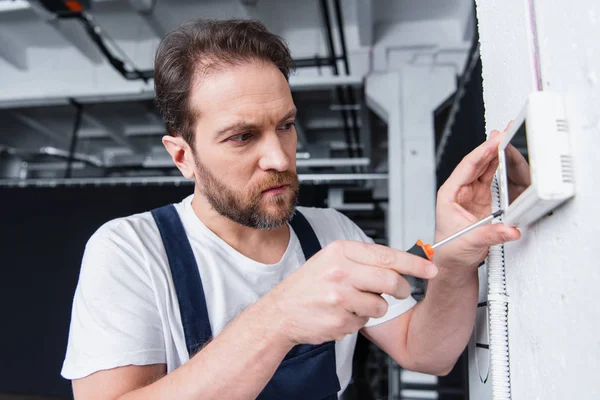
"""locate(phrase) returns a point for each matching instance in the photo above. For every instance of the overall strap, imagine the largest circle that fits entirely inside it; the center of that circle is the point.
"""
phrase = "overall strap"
(186, 277)
(306, 235)
(307, 371)
(310, 246)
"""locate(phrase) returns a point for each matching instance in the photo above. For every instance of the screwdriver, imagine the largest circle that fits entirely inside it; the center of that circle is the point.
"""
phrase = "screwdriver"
(427, 251)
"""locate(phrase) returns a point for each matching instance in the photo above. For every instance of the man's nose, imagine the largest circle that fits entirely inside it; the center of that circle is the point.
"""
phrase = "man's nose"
(273, 155)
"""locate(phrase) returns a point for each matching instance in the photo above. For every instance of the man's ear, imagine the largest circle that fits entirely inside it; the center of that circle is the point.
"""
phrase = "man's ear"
(181, 153)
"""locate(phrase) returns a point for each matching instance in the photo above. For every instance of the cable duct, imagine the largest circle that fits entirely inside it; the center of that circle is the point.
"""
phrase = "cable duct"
(497, 297)
(498, 314)
(497, 294)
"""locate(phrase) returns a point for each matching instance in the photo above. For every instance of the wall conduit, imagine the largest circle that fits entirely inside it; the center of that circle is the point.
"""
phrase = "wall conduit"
(498, 314)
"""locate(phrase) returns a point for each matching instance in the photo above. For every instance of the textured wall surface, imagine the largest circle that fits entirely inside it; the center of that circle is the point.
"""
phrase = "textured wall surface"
(552, 273)
(507, 80)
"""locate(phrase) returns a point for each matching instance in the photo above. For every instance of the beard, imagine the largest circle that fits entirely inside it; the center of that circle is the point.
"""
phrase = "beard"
(251, 208)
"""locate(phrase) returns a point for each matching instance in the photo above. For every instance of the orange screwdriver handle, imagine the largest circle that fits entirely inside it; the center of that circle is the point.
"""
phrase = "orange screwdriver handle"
(422, 250)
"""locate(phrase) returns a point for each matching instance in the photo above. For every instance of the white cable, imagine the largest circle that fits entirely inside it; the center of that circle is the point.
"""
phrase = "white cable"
(498, 314)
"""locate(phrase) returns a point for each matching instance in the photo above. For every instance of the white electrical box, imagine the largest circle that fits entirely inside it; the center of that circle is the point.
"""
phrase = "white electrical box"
(536, 167)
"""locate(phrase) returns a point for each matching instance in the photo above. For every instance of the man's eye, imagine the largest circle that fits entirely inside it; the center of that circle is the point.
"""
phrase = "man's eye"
(288, 126)
(244, 137)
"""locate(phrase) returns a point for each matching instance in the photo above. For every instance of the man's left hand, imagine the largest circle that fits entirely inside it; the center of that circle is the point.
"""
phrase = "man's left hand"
(464, 199)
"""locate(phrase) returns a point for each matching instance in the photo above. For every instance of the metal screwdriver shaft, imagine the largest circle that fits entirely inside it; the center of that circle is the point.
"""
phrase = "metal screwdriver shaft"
(467, 229)
(426, 251)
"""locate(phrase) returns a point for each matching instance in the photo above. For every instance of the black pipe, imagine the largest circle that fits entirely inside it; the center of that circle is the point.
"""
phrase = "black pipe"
(329, 36)
(74, 136)
(146, 75)
(338, 90)
(350, 93)
(338, 17)
(118, 64)
(92, 30)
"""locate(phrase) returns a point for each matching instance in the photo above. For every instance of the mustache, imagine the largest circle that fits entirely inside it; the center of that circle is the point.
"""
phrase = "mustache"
(275, 179)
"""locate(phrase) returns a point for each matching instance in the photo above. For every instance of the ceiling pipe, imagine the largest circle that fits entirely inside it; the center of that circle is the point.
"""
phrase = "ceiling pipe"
(74, 137)
(53, 152)
(130, 72)
(334, 66)
(351, 99)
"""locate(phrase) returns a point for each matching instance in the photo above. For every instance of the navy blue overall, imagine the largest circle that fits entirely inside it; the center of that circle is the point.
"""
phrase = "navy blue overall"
(307, 372)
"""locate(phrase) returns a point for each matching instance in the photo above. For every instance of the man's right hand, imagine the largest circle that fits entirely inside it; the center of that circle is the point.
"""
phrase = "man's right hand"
(336, 292)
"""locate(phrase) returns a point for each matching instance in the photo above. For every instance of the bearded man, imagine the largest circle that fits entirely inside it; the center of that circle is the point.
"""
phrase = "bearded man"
(237, 293)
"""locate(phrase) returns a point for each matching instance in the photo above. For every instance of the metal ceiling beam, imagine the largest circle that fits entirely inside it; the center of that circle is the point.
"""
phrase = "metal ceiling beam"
(147, 10)
(333, 162)
(55, 152)
(71, 31)
(145, 130)
(13, 52)
(326, 123)
(297, 84)
(92, 133)
(164, 161)
(176, 180)
(129, 130)
(90, 159)
(40, 128)
(300, 83)
(87, 158)
(113, 130)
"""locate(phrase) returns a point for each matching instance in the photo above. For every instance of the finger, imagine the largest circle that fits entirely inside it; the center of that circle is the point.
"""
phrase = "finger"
(517, 167)
(357, 323)
(377, 280)
(514, 156)
(489, 173)
(495, 132)
(386, 257)
(514, 191)
(346, 323)
(364, 304)
(493, 234)
(474, 164)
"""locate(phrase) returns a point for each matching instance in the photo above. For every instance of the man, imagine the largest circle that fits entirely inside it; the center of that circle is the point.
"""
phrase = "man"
(213, 298)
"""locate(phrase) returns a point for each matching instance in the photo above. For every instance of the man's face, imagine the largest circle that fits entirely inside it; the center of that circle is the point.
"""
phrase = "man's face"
(245, 144)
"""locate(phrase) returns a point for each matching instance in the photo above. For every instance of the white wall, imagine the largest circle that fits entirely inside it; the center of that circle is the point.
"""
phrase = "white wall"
(553, 272)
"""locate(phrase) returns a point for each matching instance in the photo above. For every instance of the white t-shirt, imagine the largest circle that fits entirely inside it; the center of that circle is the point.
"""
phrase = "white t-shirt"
(125, 310)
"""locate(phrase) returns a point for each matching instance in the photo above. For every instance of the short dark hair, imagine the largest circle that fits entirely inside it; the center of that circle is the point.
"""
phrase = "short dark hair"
(201, 46)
